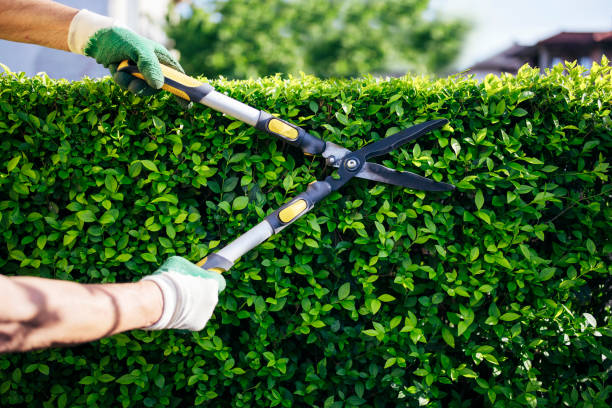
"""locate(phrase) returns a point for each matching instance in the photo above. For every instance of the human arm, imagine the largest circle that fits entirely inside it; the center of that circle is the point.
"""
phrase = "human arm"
(38, 312)
(39, 22)
(54, 25)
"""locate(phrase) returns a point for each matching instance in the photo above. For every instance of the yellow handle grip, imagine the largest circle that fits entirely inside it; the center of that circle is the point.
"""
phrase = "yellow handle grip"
(176, 82)
(202, 264)
(216, 263)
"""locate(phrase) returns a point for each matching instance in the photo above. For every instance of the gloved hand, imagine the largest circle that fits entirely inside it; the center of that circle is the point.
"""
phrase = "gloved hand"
(190, 294)
(100, 37)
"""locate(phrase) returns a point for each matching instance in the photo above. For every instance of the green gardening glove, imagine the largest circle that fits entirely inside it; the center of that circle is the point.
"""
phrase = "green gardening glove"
(109, 46)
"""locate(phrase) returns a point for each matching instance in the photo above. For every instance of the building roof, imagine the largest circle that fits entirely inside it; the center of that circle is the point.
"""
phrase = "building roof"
(573, 38)
(511, 59)
(603, 37)
(508, 60)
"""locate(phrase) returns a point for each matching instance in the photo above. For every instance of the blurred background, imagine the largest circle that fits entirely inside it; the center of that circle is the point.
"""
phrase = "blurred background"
(346, 38)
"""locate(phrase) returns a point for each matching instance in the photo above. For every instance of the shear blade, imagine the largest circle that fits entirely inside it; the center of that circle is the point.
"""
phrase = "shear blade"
(394, 141)
(377, 172)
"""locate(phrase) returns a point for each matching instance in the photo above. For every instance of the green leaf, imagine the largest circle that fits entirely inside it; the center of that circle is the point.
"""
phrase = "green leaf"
(12, 163)
(483, 216)
(110, 183)
(17, 254)
(525, 250)
(149, 165)
(501, 107)
(590, 246)
(491, 359)
(455, 146)
(311, 243)
(486, 288)
(421, 372)
(532, 160)
(479, 199)
(125, 379)
(166, 198)
(158, 123)
(546, 274)
(41, 241)
(313, 106)
(390, 362)
(108, 217)
(234, 125)
(148, 257)
(86, 216)
(225, 206)
(135, 169)
(229, 184)
(448, 337)
(474, 253)
(462, 327)
(344, 291)
(69, 237)
(87, 380)
(123, 257)
(386, 298)
(106, 378)
(375, 306)
(260, 305)
(519, 112)
(480, 136)
(508, 317)
(240, 203)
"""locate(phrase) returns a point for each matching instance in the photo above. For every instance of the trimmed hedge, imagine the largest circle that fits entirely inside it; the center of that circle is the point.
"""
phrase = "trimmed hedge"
(493, 295)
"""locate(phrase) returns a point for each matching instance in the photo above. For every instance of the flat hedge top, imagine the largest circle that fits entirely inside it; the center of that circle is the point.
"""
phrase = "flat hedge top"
(495, 294)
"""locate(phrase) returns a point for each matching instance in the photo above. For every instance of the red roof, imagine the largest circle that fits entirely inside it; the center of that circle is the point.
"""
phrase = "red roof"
(599, 37)
(577, 38)
(508, 60)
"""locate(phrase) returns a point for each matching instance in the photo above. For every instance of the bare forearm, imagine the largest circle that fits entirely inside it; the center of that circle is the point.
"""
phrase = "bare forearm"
(39, 312)
(39, 22)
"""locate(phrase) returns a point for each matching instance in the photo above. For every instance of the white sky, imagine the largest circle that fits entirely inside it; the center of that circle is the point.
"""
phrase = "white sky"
(498, 24)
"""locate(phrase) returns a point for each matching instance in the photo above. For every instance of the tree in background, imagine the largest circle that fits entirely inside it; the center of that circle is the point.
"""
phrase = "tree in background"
(327, 38)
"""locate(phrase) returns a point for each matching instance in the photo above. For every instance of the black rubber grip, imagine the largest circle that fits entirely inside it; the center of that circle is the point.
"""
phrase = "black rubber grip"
(313, 194)
(308, 143)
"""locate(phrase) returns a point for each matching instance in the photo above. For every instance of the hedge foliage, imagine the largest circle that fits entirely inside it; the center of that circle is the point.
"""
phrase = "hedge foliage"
(493, 295)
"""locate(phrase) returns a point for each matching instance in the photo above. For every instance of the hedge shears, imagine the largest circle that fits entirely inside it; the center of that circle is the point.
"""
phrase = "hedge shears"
(349, 164)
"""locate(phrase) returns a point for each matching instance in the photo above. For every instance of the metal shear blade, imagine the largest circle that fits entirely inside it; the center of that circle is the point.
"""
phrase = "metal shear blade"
(377, 172)
(349, 162)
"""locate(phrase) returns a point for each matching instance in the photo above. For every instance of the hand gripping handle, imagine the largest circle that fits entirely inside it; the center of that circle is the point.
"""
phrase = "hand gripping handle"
(176, 82)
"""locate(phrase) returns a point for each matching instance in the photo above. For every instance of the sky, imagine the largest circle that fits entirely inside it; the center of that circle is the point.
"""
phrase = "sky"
(496, 25)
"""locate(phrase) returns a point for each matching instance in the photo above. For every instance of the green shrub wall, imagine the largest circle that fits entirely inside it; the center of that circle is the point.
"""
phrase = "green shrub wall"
(493, 295)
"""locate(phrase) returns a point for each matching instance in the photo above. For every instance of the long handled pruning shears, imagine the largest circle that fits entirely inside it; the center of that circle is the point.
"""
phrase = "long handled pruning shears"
(349, 164)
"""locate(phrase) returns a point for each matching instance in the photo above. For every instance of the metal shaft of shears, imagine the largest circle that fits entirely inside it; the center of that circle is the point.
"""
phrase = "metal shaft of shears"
(191, 89)
(274, 223)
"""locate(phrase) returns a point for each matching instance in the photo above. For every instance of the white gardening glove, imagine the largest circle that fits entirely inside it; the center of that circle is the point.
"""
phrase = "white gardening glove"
(190, 294)
(83, 26)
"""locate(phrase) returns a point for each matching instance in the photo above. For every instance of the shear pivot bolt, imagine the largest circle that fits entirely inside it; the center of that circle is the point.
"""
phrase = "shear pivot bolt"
(351, 164)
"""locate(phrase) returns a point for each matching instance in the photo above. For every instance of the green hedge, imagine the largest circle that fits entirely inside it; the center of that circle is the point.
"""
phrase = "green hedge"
(493, 295)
